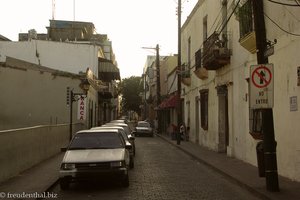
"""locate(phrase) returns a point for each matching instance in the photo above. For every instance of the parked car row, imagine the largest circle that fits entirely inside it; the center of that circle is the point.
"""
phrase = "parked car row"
(104, 151)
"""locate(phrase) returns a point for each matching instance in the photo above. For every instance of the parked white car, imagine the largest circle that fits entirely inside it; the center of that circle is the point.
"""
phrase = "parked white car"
(94, 154)
(125, 136)
(127, 130)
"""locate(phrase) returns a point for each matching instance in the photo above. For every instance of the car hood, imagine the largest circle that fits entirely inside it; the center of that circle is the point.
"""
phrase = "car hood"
(94, 155)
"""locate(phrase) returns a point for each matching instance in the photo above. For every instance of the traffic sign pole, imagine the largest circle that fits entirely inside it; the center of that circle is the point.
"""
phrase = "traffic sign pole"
(267, 114)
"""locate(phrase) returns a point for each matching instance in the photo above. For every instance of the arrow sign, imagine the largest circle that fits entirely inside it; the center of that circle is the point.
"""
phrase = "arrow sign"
(261, 76)
(261, 86)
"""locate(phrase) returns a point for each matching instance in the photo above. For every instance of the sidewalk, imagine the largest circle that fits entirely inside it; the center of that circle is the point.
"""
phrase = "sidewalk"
(34, 180)
(242, 173)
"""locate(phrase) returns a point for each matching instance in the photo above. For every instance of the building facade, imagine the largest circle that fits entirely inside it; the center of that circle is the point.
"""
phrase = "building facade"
(217, 54)
(72, 47)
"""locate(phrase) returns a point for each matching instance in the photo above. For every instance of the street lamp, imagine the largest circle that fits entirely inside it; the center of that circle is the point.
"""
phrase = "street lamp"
(72, 96)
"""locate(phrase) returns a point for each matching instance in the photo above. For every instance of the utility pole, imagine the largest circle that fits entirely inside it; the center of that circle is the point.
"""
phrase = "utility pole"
(267, 114)
(158, 89)
(73, 10)
(179, 109)
(53, 9)
(145, 103)
(157, 74)
(158, 98)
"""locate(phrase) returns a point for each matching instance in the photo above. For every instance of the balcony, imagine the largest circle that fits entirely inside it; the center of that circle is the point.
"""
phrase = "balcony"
(215, 52)
(186, 77)
(108, 92)
(246, 24)
(201, 73)
(249, 42)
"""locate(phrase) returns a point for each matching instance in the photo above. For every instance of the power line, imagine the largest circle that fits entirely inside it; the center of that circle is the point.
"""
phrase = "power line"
(236, 6)
(284, 4)
(294, 34)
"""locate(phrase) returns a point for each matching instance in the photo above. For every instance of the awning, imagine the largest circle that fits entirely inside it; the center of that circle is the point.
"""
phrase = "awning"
(107, 70)
(170, 102)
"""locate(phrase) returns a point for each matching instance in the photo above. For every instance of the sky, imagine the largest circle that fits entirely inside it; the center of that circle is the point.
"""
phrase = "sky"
(129, 24)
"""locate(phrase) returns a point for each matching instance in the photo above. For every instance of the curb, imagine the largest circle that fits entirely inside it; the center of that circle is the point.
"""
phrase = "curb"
(50, 188)
(229, 177)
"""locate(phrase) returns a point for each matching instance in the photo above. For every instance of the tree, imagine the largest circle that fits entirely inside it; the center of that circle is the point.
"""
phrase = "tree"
(130, 89)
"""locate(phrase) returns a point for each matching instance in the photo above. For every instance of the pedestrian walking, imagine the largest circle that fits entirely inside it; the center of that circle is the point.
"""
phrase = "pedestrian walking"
(182, 132)
(156, 125)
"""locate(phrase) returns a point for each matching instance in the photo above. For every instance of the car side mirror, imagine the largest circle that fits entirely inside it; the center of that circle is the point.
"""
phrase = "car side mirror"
(132, 138)
(63, 149)
(128, 146)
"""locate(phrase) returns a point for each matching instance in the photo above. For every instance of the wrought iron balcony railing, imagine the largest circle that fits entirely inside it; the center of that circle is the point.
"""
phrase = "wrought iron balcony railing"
(216, 54)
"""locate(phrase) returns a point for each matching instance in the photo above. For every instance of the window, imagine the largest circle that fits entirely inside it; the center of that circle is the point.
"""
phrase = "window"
(205, 28)
(189, 52)
(198, 59)
(255, 122)
(204, 108)
(246, 19)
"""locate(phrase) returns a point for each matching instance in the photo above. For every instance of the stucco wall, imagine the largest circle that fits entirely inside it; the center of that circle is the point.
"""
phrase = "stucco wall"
(33, 97)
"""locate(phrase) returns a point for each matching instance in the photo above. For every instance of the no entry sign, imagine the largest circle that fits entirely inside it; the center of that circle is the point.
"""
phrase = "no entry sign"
(261, 86)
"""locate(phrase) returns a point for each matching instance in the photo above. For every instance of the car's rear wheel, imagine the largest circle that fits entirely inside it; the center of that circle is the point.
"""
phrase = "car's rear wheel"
(125, 181)
(64, 183)
(131, 163)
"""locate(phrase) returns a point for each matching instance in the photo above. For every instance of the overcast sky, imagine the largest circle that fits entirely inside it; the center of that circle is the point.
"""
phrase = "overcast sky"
(129, 24)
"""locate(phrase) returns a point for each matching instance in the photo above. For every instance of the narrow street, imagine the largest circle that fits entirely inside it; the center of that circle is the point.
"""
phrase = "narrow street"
(161, 171)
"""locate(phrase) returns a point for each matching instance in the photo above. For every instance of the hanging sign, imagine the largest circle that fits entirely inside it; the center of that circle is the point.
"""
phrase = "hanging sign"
(81, 110)
(261, 86)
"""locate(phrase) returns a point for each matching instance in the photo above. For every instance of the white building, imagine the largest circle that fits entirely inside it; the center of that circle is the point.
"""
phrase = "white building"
(218, 55)
(67, 56)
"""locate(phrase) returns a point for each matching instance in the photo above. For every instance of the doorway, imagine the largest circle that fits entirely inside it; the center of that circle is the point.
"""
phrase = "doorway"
(223, 129)
(197, 118)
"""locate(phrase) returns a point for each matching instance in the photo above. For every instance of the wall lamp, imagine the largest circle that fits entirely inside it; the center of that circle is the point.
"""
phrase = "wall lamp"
(72, 97)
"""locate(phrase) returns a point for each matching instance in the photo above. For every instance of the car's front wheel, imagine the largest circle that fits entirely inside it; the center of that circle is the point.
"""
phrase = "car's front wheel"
(64, 183)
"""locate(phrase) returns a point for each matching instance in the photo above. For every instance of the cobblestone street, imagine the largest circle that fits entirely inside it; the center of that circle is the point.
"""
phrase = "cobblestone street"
(161, 172)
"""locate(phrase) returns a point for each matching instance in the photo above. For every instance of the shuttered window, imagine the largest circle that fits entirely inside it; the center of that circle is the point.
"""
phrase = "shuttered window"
(204, 108)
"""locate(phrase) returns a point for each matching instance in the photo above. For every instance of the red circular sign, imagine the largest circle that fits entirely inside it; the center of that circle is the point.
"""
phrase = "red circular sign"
(261, 77)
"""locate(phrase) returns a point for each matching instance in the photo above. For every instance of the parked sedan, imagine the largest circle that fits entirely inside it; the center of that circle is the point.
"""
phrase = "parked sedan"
(120, 121)
(125, 137)
(94, 154)
(143, 128)
(127, 131)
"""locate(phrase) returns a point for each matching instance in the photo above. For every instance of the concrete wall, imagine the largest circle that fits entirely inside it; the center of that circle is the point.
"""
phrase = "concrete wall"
(21, 149)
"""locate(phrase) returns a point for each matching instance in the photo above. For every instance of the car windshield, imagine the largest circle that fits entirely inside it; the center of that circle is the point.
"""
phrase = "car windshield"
(143, 124)
(103, 140)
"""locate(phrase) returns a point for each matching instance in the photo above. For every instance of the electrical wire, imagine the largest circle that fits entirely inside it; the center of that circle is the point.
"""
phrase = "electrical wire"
(294, 34)
(216, 20)
(225, 24)
(291, 14)
(284, 4)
